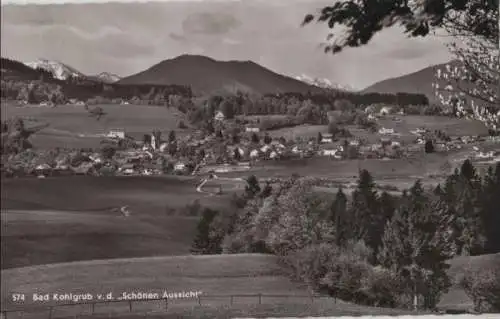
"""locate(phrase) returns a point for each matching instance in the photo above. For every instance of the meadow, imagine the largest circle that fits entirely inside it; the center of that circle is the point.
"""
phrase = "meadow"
(216, 277)
(402, 125)
(76, 218)
(71, 126)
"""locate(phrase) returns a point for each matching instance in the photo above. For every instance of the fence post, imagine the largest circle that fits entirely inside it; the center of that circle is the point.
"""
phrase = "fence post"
(199, 300)
(93, 307)
(50, 312)
(260, 299)
(231, 302)
(166, 304)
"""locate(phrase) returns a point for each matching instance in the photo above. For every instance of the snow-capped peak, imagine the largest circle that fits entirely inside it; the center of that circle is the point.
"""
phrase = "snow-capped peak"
(59, 70)
(108, 77)
(323, 83)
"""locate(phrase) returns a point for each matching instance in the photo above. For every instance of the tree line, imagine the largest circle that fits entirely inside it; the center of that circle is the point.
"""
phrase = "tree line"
(368, 247)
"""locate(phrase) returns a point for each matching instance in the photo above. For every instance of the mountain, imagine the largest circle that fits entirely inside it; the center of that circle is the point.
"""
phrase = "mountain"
(204, 75)
(59, 70)
(323, 83)
(17, 71)
(419, 82)
(106, 77)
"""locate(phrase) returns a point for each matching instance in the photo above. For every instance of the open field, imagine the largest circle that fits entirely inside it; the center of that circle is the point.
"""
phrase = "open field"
(75, 218)
(72, 127)
(449, 125)
(242, 274)
(215, 276)
(303, 131)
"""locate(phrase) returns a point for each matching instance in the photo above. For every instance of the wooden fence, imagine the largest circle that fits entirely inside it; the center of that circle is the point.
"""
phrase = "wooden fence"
(74, 310)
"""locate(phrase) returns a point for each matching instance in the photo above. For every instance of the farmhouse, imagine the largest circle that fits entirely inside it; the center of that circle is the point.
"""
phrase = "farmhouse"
(116, 133)
(327, 138)
(385, 110)
(384, 130)
(252, 129)
(219, 116)
(180, 166)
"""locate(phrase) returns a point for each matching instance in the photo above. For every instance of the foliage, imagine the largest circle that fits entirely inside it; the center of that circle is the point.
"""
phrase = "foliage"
(470, 86)
(361, 20)
(483, 287)
(413, 247)
(203, 243)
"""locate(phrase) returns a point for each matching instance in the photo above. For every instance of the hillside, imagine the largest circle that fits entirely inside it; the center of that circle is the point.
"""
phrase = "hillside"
(419, 82)
(204, 74)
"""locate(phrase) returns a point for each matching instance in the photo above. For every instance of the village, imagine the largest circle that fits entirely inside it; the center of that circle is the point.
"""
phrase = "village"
(234, 147)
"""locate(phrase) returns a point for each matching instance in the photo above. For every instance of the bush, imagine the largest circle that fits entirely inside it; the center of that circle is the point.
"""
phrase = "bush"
(344, 273)
(483, 287)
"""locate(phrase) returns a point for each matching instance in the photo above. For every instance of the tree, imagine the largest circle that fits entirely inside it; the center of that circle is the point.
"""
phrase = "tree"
(236, 154)
(227, 108)
(255, 138)
(469, 87)
(252, 188)
(267, 139)
(415, 246)
(429, 146)
(203, 243)
(363, 19)
(172, 137)
(108, 151)
(338, 215)
(367, 222)
(319, 138)
(490, 214)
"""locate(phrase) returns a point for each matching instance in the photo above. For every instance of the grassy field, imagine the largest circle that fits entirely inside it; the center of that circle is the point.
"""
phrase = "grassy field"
(74, 218)
(303, 131)
(213, 276)
(71, 126)
(242, 274)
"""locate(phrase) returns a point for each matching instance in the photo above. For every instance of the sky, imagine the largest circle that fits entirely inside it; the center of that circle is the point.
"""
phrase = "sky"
(129, 37)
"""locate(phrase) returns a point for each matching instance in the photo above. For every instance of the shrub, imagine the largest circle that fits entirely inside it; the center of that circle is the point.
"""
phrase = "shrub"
(483, 287)
(344, 273)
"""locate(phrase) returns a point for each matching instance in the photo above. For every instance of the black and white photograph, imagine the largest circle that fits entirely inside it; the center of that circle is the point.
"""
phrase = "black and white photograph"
(215, 159)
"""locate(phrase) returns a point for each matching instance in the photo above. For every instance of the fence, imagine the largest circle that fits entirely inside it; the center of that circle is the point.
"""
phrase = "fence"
(130, 306)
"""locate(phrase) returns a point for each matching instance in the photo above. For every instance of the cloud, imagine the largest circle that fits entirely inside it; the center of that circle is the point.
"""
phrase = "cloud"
(129, 38)
(209, 23)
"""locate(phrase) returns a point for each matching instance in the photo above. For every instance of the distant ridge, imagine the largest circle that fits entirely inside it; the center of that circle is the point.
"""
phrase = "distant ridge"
(204, 75)
(419, 82)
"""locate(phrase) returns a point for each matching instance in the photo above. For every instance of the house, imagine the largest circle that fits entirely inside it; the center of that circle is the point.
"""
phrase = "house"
(354, 142)
(265, 148)
(327, 138)
(116, 133)
(329, 152)
(128, 169)
(252, 129)
(273, 155)
(254, 153)
(384, 130)
(219, 116)
(180, 166)
(385, 110)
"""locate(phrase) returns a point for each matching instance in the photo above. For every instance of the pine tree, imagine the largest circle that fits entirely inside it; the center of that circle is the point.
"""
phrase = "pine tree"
(252, 188)
(415, 247)
(203, 243)
(365, 212)
(338, 216)
(171, 137)
(490, 210)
